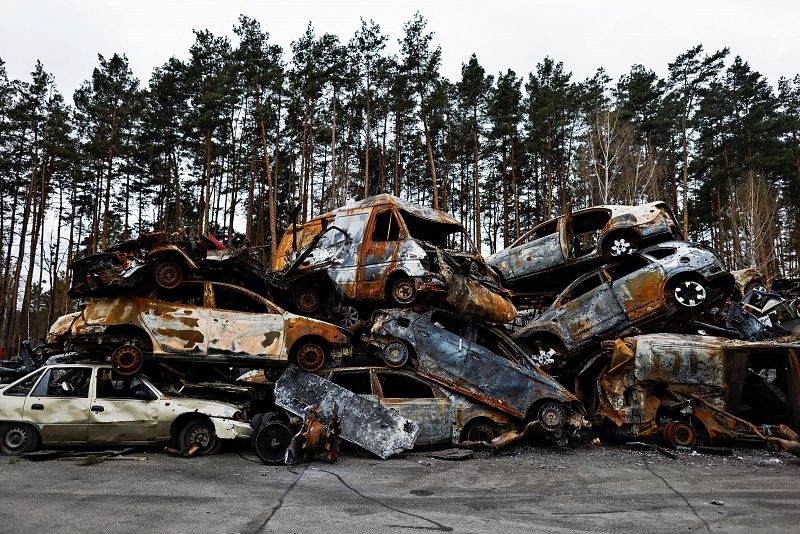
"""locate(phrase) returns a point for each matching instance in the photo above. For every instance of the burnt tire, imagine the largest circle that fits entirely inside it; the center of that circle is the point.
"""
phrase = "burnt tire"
(271, 441)
(688, 293)
(168, 274)
(308, 300)
(127, 360)
(396, 354)
(403, 291)
(679, 434)
(201, 433)
(480, 430)
(551, 415)
(18, 438)
(310, 356)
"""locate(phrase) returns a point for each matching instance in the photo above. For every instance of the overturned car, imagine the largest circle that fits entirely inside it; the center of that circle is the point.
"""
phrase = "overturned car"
(644, 291)
(203, 322)
(385, 250)
(474, 360)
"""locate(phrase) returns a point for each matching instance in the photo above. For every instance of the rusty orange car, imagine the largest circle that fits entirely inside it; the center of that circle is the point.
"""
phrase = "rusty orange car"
(198, 322)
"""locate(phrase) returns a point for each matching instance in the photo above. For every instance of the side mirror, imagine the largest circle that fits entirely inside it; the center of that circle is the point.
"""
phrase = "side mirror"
(144, 394)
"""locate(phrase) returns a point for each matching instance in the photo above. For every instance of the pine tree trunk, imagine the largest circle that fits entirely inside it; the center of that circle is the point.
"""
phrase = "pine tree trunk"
(476, 177)
(504, 178)
(108, 177)
(366, 148)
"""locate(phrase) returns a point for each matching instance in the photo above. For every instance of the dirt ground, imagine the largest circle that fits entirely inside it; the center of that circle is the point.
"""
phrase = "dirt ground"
(528, 489)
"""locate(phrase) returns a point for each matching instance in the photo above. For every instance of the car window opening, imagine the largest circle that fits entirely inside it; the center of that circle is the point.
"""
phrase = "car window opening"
(582, 288)
(630, 266)
(23, 388)
(386, 227)
(358, 383)
(112, 386)
(443, 235)
(396, 386)
(188, 294)
(451, 323)
(226, 298)
(65, 382)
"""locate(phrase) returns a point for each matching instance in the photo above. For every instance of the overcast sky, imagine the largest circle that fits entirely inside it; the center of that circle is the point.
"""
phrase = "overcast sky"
(67, 35)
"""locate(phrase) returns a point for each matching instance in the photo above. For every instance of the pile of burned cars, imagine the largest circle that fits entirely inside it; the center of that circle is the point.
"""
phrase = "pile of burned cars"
(380, 324)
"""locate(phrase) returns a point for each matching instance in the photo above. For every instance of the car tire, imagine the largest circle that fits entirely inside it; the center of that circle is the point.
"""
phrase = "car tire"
(396, 354)
(168, 274)
(403, 291)
(551, 415)
(127, 360)
(679, 434)
(311, 356)
(480, 430)
(271, 441)
(18, 438)
(199, 432)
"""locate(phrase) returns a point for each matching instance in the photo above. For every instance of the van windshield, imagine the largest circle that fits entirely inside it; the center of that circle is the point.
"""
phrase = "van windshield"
(440, 234)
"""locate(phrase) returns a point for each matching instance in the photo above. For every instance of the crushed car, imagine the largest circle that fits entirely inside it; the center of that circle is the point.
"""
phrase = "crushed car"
(202, 322)
(90, 404)
(386, 250)
(690, 388)
(747, 280)
(557, 251)
(165, 259)
(649, 289)
(475, 360)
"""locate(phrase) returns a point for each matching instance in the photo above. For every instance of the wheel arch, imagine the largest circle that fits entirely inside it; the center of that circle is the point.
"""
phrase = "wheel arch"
(183, 419)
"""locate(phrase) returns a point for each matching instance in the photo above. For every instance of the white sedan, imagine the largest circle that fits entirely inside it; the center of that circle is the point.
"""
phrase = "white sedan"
(77, 404)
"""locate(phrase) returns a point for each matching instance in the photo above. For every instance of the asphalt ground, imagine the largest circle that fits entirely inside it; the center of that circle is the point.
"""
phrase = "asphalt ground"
(605, 488)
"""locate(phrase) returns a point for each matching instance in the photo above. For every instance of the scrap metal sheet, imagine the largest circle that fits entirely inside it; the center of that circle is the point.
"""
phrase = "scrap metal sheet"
(363, 422)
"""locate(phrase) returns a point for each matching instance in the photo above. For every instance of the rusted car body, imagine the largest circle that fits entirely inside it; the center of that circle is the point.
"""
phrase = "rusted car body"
(704, 386)
(561, 249)
(166, 260)
(444, 417)
(385, 249)
(747, 280)
(474, 360)
(61, 405)
(198, 322)
(644, 291)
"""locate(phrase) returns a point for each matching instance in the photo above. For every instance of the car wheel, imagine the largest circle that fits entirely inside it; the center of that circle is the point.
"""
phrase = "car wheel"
(547, 353)
(689, 293)
(348, 316)
(18, 438)
(308, 300)
(271, 441)
(679, 434)
(481, 431)
(199, 433)
(404, 291)
(127, 360)
(168, 274)
(551, 416)
(311, 356)
(396, 354)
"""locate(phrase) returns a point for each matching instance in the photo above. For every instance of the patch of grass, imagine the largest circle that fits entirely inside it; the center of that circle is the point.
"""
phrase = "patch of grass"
(92, 460)
(13, 460)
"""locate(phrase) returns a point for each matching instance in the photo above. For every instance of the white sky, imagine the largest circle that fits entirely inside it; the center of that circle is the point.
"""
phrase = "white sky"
(67, 35)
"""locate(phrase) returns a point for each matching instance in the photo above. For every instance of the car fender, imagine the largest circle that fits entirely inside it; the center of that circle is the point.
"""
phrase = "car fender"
(172, 249)
(230, 428)
(297, 327)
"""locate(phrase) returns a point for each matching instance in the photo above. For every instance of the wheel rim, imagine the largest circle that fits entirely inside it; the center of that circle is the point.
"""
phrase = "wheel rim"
(403, 291)
(681, 434)
(168, 274)
(127, 360)
(690, 293)
(481, 432)
(395, 354)
(544, 354)
(349, 316)
(201, 436)
(16, 438)
(551, 416)
(308, 301)
(311, 357)
(271, 443)
(621, 247)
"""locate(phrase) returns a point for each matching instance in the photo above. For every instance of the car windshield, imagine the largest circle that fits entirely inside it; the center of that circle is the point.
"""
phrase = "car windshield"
(440, 234)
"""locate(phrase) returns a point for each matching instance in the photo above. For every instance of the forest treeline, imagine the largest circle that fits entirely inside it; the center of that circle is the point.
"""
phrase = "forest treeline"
(229, 140)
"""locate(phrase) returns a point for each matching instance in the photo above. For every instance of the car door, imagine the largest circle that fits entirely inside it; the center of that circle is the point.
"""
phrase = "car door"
(345, 272)
(379, 254)
(59, 404)
(442, 344)
(12, 401)
(418, 401)
(123, 409)
(588, 308)
(242, 323)
(637, 286)
(178, 318)
(541, 251)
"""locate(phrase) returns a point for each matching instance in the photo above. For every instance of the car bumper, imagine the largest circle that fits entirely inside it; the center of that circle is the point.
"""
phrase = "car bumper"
(231, 429)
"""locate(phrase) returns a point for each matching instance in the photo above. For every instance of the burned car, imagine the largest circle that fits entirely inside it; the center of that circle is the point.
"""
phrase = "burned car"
(165, 260)
(644, 290)
(386, 250)
(207, 322)
(444, 417)
(474, 360)
(559, 250)
(61, 405)
(747, 280)
(686, 388)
